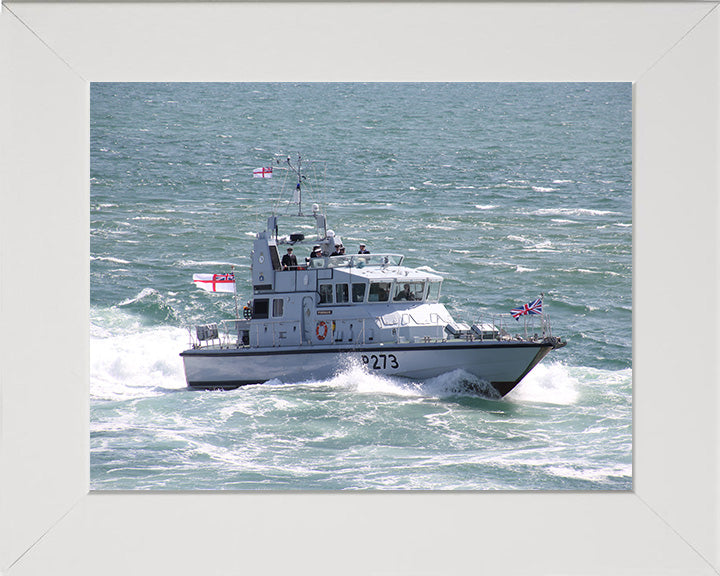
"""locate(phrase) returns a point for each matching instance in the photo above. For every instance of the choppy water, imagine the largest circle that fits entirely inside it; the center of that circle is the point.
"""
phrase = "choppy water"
(507, 190)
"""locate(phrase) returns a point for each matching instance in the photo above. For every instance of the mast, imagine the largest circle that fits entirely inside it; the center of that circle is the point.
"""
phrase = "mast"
(320, 221)
(298, 188)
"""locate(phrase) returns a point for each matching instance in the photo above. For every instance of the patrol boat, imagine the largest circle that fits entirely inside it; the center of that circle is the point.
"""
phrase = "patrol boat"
(310, 320)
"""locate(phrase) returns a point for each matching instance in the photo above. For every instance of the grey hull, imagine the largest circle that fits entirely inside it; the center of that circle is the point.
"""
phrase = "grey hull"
(502, 364)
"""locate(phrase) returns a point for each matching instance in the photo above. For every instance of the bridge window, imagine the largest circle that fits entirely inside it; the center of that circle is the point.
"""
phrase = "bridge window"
(379, 292)
(409, 291)
(434, 291)
(326, 293)
(341, 293)
(358, 291)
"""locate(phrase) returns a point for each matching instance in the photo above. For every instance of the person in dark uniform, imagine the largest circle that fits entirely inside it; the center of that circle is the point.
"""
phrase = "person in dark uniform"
(289, 260)
(406, 294)
(363, 250)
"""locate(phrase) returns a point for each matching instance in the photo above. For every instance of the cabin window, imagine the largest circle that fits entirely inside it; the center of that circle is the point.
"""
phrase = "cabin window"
(409, 291)
(261, 308)
(277, 307)
(341, 293)
(379, 292)
(434, 291)
(326, 293)
(358, 291)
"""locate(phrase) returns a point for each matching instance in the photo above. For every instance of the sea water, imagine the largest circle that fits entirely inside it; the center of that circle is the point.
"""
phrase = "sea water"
(507, 190)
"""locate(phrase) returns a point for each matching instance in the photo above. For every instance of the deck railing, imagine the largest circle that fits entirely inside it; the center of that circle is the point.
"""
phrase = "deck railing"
(237, 333)
(351, 260)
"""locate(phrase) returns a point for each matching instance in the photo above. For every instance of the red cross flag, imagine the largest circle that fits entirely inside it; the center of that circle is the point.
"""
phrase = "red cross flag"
(262, 172)
(215, 282)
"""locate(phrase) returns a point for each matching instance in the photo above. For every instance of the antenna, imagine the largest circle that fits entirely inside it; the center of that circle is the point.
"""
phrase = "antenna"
(298, 188)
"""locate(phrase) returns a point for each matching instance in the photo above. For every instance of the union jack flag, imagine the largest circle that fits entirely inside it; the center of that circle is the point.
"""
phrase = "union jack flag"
(530, 308)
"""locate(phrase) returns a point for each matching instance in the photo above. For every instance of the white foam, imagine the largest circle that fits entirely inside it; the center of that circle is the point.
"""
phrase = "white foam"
(109, 259)
(592, 474)
(543, 189)
(136, 365)
(573, 212)
(194, 263)
(357, 378)
(547, 383)
(427, 269)
(485, 206)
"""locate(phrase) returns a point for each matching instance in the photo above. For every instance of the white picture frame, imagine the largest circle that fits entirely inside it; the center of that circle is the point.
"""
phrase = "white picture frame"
(50, 523)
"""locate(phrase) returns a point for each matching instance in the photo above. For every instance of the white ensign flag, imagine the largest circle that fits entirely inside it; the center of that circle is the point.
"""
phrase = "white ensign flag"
(215, 282)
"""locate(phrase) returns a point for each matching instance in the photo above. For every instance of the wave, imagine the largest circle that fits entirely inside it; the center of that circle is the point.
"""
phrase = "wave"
(355, 377)
(573, 212)
(427, 269)
(137, 365)
(144, 293)
(109, 259)
(547, 383)
(194, 263)
(586, 271)
(152, 305)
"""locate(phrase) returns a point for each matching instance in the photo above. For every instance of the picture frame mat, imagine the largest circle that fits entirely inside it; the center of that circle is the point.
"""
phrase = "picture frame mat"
(51, 521)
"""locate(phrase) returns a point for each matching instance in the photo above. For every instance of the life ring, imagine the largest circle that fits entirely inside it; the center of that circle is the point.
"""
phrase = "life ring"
(321, 330)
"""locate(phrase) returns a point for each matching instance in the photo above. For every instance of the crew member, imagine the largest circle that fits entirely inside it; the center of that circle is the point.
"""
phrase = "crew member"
(406, 294)
(289, 260)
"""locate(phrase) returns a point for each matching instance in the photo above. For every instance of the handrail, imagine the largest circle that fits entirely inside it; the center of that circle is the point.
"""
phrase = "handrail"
(230, 333)
(354, 261)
